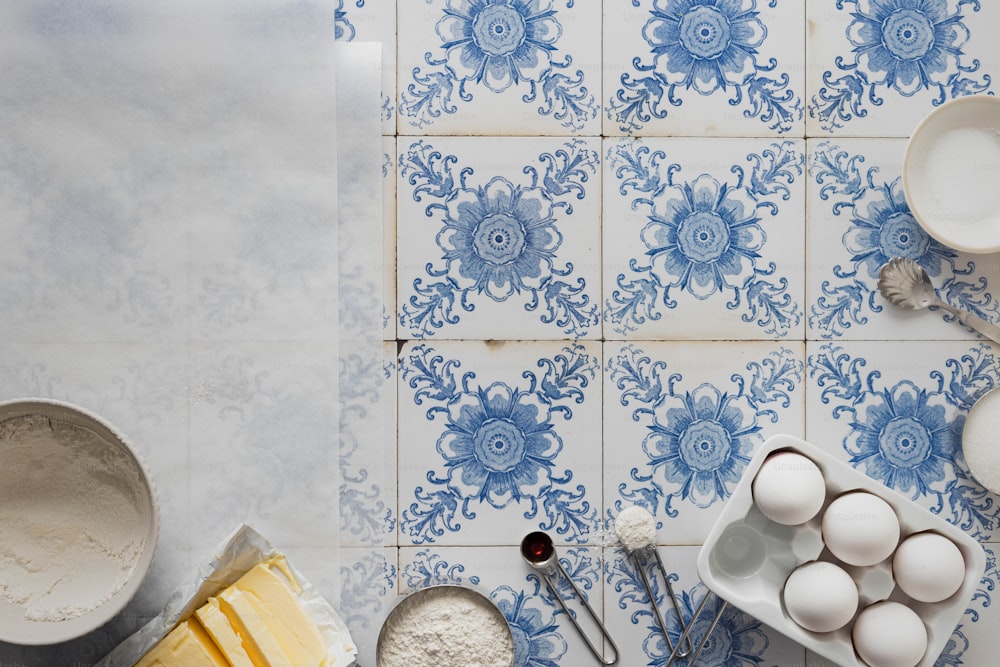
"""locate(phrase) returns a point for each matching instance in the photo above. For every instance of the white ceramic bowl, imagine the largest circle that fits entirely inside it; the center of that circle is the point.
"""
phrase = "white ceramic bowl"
(413, 604)
(950, 174)
(14, 626)
(979, 440)
(754, 583)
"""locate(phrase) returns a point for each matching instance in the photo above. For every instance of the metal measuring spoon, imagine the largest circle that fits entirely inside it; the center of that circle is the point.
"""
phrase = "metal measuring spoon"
(641, 552)
(539, 553)
(904, 283)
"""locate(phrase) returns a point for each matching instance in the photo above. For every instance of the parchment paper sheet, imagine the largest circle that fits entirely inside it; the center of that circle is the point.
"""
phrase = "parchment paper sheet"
(168, 260)
(236, 556)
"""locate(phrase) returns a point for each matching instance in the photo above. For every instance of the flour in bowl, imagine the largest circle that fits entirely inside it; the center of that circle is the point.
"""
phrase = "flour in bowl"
(73, 518)
(445, 627)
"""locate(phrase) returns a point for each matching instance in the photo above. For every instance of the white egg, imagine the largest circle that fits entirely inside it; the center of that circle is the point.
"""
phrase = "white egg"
(889, 634)
(789, 488)
(860, 528)
(928, 567)
(820, 596)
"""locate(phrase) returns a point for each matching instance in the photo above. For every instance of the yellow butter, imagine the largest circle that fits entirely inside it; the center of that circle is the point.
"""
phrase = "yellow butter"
(286, 620)
(255, 622)
(187, 645)
(259, 641)
(223, 634)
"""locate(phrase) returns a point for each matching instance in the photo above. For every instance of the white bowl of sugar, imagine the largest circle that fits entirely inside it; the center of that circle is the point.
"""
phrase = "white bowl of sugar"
(951, 174)
(79, 521)
(981, 440)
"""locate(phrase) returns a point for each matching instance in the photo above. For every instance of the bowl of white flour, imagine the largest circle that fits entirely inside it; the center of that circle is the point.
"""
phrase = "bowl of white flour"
(445, 625)
(79, 521)
(950, 178)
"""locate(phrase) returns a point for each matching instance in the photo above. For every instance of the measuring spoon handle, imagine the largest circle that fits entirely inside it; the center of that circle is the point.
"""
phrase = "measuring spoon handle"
(597, 653)
(971, 320)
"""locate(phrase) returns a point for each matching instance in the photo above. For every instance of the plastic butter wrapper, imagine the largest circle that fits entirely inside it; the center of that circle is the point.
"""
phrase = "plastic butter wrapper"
(236, 556)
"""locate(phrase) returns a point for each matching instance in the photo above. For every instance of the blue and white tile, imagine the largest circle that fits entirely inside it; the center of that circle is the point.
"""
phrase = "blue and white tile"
(704, 68)
(373, 21)
(738, 640)
(389, 155)
(858, 219)
(542, 633)
(896, 412)
(499, 438)
(876, 67)
(518, 67)
(388, 401)
(368, 448)
(499, 239)
(368, 588)
(357, 583)
(974, 640)
(361, 176)
(704, 238)
(684, 418)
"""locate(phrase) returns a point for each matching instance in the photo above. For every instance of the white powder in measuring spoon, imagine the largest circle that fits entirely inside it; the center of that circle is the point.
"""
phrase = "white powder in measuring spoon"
(72, 518)
(445, 627)
(636, 528)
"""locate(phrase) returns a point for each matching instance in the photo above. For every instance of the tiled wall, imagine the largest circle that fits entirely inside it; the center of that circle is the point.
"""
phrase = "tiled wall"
(634, 239)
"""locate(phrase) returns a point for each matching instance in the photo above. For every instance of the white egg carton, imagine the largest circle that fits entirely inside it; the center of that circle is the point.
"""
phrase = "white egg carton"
(747, 557)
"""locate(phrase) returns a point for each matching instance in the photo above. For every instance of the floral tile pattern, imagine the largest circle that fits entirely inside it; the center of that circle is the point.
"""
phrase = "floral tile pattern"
(738, 640)
(373, 21)
(499, 439)
(878, 66)
(389, 238)
(624, 242)
(701, 238)
(523, 66)
(618, 270)
(686, 418)
(858, 220)
(367, 494)
(368, 587)
(896, 413)
(704, 67)
(499, 241)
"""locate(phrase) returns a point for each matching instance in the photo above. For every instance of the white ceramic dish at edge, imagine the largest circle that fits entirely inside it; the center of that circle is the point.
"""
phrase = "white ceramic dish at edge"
(14, 628)
(951, 174)
(756, 587)
(980, 441)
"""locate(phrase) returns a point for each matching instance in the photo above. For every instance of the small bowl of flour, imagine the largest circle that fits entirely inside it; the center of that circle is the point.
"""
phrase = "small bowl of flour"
(78, 522)
(950, 170)
(445, 626)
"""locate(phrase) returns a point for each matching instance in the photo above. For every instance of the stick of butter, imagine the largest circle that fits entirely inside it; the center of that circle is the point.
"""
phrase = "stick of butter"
(222, 632)
(187, 645)
(255, 622)
(274, 611)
